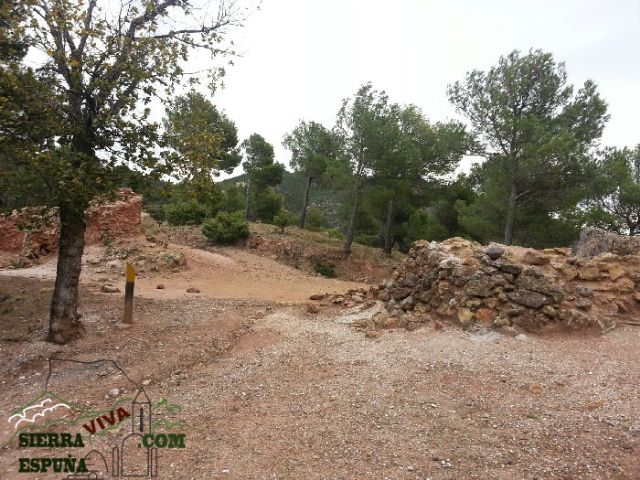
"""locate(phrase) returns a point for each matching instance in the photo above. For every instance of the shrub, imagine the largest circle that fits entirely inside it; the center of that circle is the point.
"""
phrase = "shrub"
(315, 220)
(268, 204)
(368, 240)
(283, 220)
(226, 228)
(157, 212)
(186, 213)
(325, 269)
(334, 233)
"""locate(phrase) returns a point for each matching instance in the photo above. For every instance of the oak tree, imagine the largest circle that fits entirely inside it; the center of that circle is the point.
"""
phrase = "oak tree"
(106, 62)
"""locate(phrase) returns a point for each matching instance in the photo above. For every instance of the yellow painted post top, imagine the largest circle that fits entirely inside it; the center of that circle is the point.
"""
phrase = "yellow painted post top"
(131, 273)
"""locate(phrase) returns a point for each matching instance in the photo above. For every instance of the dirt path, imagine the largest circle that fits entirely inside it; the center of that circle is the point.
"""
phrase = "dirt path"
(231, 273)
(272, 392)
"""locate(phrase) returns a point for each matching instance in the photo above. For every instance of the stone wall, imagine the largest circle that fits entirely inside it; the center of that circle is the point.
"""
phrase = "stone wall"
(512, 288)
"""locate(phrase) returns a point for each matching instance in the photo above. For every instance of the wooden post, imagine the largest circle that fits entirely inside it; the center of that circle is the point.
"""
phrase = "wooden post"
(128, 295)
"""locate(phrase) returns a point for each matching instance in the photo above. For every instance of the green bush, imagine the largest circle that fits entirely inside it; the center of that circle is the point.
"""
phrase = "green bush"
(186, 213)
(334, 233)
(325, 269)
(283, 220)
(268, 204)
(368, 240)
(423, 226)
(315, 220)
(226, 228)
(157, 212)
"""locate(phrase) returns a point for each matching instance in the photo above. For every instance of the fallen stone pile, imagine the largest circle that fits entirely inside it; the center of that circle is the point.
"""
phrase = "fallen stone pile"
(510, 288)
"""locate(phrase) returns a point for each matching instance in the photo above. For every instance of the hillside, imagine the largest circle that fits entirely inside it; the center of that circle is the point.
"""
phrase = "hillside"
(292, 187)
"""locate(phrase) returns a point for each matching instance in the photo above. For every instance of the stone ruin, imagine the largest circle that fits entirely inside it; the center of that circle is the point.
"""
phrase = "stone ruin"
(595, 241)
(510, 288)
(33, 232)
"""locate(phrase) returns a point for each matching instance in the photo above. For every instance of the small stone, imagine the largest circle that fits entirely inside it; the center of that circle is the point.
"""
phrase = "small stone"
(114, 392)
(521, 337)
(317, 296)
(373, 334)
(338, 300)
(312, 308)
(588, 273)
(583, 304)
(193, 290)
(527, 298)
(465, 316)
(494, 252)
(108, 288)
(485, 315)
(549, 311)
(437, 325)
(160, 286)
(584, 292)
(534, 387)
(615, 272)
(535, 258)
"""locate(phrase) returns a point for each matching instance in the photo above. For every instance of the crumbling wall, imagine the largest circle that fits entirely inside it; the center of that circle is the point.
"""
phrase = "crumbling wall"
(34, 232)
(511, 287)
(595, 241)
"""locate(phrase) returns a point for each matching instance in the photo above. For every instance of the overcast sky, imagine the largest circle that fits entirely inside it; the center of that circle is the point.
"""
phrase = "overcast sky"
(301, 57)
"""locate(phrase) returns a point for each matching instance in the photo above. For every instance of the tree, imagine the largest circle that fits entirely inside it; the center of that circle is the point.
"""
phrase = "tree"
(360, 124)
(27, 124)
(262, 173)
(536, 133)
(614, 200)
(201, 135)
(313, 148)
(105, 64)
(416, 153)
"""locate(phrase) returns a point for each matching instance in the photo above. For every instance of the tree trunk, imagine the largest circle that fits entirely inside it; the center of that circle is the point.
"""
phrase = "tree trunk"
(64, 320)
(511, 215)
(246, 210)
(346, 249)
(305, 205)
(388, 228)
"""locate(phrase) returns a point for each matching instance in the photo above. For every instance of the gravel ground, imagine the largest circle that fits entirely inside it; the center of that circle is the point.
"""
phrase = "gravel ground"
(269, 391)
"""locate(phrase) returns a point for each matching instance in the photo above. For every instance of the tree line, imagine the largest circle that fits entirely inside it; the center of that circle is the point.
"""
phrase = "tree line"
(543, 176)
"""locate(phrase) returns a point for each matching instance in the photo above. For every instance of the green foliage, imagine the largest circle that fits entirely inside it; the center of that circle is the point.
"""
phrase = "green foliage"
(204, 139)
(226, 228)
(268, 204)
(613, 199)
(325, 269)
(334, 233)
(423, 226)
(316, 220)
(157, 212)
(368, 239)
(186, 213)
(283, 219)
(233, 198)
(313, 147)
(536, 134)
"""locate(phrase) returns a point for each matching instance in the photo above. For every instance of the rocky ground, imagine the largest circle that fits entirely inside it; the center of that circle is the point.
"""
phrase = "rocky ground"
(271, 388)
